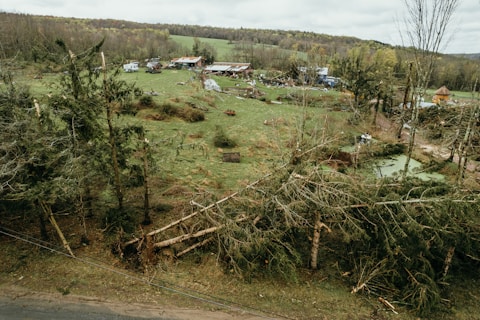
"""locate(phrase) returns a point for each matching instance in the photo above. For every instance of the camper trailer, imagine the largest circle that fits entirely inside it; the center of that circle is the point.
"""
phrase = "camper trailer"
(131, 67)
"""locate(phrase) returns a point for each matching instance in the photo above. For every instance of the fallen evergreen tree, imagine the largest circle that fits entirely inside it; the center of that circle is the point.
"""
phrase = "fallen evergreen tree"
(399, 240)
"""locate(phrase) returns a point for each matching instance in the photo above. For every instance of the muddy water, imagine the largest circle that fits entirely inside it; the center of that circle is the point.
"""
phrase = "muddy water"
(394, 166)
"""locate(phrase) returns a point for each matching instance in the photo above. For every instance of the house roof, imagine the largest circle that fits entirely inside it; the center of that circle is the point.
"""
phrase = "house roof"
(187, 60)
(443, 91)
(215, 68)
(227, 66)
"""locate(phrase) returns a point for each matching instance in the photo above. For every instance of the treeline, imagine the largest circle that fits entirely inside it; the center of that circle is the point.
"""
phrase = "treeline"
(32, 38)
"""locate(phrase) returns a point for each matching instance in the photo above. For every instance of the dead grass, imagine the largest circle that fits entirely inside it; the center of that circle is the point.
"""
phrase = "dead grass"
(99, 274)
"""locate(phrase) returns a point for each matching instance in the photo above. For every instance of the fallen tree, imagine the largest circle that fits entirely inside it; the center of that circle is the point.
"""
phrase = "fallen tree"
(395, 239)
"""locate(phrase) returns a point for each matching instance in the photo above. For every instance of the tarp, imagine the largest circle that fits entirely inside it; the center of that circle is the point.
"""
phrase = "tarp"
(211, 84)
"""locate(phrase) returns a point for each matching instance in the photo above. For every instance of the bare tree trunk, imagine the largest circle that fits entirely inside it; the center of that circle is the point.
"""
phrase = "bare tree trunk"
(185, 237)
(411, 138)
(375, 109)
(465, 145)
(48, 212)
(405, 101)
(316, 240)
(116, 169)
(192, 247)
(448, 261)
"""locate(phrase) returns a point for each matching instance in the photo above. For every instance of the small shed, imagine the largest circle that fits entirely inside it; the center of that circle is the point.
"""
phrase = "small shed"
(442, 94)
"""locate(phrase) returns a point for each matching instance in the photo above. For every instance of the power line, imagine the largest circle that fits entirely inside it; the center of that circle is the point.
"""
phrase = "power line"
(220, 302)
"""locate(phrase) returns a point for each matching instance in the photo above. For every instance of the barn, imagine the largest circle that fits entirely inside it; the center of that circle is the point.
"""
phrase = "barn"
(186, 62)
(230, 69)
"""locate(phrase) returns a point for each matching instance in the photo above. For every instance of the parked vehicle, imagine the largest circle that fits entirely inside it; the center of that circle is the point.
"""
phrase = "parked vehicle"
(131, 67)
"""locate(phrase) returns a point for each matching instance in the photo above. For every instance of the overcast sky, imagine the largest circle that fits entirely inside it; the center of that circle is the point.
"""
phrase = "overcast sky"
(380, 20)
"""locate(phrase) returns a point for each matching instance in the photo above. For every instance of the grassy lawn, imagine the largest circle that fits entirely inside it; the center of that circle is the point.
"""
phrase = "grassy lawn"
(186, 149)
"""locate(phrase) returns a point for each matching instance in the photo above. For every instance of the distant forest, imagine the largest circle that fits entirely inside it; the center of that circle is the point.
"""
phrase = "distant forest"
(31, 38)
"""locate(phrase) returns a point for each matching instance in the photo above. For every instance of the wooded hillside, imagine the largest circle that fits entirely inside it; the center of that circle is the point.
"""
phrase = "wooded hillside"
(30, 38)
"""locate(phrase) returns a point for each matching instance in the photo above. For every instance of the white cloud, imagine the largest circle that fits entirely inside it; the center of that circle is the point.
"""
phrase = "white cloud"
(366, 19)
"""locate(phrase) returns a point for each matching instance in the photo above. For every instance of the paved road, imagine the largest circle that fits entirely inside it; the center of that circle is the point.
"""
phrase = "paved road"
(28, 309)
(17, 303)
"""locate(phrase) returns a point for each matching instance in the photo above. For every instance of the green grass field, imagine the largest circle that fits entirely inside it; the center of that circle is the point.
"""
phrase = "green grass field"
(223, 47)
(186, 149)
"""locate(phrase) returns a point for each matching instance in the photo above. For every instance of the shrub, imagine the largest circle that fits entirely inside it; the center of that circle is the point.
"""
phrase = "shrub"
(120, 219)
(191, 115)
(388, 149)
(146, 101)
(168, 109)
(129, 109)
(221, 140)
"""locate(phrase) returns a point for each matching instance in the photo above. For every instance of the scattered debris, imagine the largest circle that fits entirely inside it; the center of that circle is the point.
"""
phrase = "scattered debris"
(211, 84)
(387, 304)
(230, 112)
(231, 157)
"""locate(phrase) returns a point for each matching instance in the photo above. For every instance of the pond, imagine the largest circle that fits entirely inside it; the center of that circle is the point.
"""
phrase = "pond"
(393, 167)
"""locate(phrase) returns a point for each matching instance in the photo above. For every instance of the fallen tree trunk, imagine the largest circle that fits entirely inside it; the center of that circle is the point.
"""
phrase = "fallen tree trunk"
(174, 223)
(184, 237)
(48, 212)
(188, 236)
(196, 245)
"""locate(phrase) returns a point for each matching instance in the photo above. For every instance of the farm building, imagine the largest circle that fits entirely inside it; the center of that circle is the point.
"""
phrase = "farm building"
(230, 68)
(186, 62)
(442, 94)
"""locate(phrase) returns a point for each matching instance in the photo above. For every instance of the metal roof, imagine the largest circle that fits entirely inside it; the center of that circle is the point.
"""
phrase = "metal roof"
(187, 60)
(227, 66)
(217, 68)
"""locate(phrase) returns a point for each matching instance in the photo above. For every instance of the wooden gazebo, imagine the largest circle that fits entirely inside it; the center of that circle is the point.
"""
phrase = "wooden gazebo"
(442, 94)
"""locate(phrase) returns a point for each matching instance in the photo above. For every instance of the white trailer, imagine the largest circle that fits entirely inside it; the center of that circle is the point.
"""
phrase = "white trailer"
(131, 67)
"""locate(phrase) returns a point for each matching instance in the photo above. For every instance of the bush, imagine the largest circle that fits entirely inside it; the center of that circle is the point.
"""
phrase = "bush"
(168, 109)
(121, 219)
(191, 115)
(389, 149)
(221, 140)
(146, 101)
(129, 109)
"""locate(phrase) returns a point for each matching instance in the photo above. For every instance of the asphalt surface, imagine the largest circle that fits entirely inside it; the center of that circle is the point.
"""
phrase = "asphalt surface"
(26, 309)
